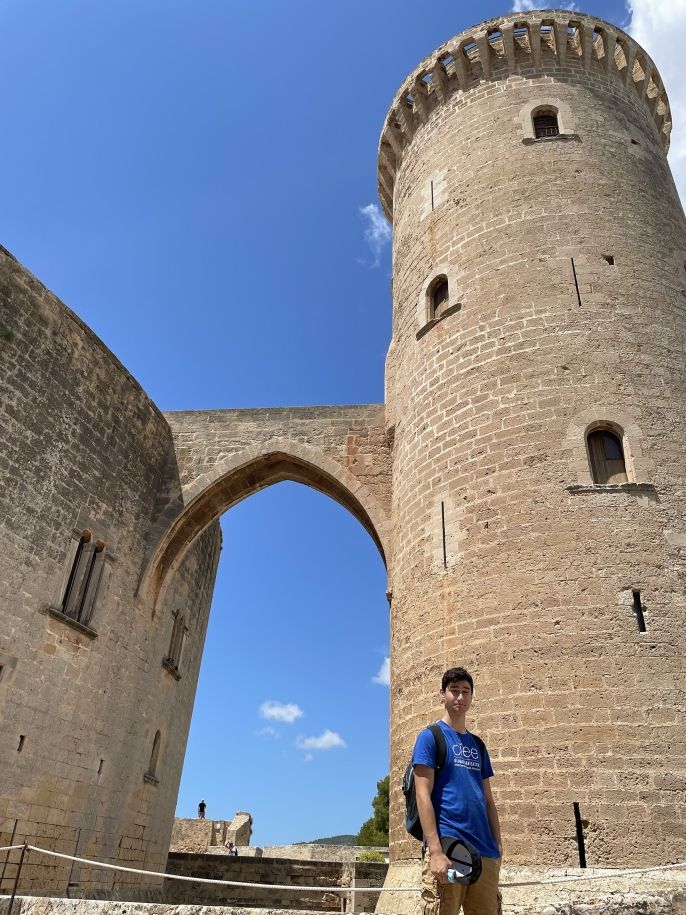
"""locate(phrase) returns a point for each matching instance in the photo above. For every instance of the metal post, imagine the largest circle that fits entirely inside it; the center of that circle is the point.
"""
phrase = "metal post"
(7, 856)
(71, 869)
(580, 834)
(16, 879)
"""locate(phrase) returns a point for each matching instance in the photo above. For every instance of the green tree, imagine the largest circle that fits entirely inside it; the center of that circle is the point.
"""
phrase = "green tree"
(374, 831)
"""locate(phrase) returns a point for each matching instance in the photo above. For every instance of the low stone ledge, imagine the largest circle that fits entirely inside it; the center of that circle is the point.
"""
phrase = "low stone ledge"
(659, 892)
(602, 902)
(559, 137)
(631, 489)
(57, 614)
(38, 905)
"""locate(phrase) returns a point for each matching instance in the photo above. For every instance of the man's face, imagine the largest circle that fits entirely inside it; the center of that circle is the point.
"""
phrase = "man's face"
(457, 696)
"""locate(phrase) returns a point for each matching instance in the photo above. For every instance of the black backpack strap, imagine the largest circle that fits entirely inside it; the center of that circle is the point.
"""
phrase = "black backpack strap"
(441, 746)
(482, 747)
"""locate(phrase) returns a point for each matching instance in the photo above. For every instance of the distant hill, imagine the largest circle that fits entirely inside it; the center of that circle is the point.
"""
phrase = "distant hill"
(331, 840)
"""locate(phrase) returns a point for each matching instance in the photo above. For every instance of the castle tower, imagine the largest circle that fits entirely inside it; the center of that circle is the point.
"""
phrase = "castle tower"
(536, 404)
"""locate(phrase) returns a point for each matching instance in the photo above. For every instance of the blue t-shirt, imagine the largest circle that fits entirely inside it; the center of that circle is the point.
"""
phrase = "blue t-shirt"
(458, 792)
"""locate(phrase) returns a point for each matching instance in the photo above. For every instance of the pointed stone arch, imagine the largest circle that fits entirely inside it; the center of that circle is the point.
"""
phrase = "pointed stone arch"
(206, 496)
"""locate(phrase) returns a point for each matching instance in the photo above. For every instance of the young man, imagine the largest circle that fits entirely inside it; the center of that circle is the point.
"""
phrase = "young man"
(457, 801)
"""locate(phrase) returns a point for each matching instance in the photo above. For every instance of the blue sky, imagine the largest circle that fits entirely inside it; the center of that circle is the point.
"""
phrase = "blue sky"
(197, 180)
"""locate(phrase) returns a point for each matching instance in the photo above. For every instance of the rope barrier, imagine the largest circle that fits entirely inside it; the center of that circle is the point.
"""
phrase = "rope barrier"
(575, 878)
(134, 870)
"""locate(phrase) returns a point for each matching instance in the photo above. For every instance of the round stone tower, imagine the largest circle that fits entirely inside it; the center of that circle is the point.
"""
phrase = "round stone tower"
(537, 408)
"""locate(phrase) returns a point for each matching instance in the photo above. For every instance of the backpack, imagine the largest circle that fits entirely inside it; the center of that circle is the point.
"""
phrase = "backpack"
(412, 823)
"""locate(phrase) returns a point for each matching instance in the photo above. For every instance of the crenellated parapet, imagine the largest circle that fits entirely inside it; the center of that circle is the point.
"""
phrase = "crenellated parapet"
(509, 45)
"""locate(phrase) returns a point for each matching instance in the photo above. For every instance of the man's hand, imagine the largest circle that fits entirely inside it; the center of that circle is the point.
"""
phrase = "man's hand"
(439, 865)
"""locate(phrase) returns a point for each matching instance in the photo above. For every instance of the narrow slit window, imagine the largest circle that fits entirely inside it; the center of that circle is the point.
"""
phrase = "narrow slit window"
(638, 610)
(154, 757)
(607, 457)
(176, 642)
(546, 124)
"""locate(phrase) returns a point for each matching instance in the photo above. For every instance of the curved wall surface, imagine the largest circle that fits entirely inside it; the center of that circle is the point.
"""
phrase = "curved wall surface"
(84, 450)
(564, 257)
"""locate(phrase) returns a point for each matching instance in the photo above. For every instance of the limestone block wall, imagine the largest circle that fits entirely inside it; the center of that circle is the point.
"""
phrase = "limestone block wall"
(83, 448)
(280, 871)
(310, 851)
(565, 263)
(192, 835)
(195, 835)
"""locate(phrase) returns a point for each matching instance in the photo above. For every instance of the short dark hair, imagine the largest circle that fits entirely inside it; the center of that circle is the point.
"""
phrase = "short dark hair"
(455, 674)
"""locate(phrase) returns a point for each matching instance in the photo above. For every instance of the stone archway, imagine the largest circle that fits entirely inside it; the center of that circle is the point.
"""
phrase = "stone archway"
(350, 463)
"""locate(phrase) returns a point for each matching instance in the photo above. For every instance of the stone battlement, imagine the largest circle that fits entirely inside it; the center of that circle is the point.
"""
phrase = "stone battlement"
(501, 47)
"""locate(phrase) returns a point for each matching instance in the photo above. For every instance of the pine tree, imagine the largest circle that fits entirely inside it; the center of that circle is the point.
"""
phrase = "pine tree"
(374, 831)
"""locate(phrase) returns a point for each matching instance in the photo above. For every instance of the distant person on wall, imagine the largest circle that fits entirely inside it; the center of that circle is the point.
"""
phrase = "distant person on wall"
(202, 806)
(456, 801)
(233, 850)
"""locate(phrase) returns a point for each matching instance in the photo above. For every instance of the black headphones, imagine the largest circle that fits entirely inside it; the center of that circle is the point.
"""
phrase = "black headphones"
(465, 861)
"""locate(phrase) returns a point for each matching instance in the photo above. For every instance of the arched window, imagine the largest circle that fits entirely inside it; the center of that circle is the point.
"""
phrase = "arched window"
(546, 124)
(607, 457)
(151, 774)
(438, 296)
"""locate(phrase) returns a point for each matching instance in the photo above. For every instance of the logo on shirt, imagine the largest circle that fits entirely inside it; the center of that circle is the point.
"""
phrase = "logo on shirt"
(465, 756)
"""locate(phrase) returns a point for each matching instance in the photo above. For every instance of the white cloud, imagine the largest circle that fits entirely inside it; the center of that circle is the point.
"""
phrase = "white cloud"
(267, 731)
(377, 232)
(659, 26)
(280, 711)
(383, 677)
(326, 741)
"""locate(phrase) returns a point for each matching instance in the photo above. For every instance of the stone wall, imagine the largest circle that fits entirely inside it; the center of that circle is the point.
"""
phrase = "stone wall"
(314, 852)
(83, 448)
(270, 870)
(211, 836)
(195, 835)
(565, 261)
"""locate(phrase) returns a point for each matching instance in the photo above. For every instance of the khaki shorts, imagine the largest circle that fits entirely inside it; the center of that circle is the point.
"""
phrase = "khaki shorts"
(481, 898)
